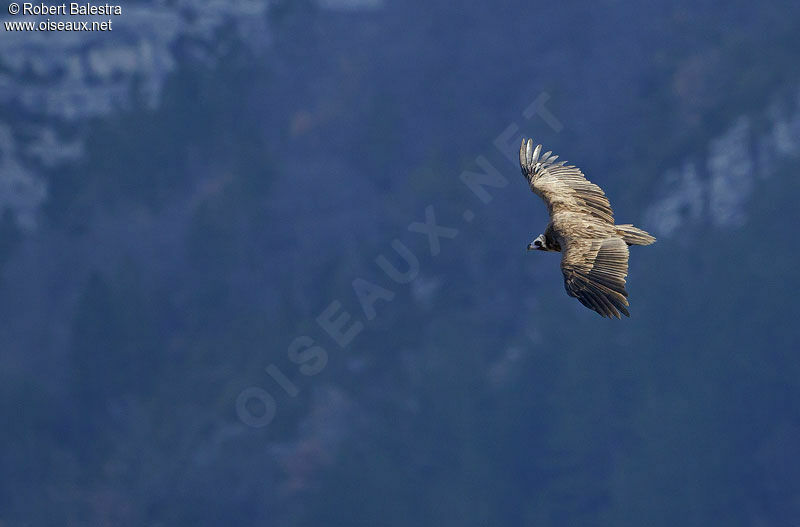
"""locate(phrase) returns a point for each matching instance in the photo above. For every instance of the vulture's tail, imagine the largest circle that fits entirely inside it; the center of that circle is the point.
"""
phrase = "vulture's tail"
(633, 235)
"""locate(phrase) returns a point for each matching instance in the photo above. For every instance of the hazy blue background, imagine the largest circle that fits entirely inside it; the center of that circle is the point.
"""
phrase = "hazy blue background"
(182, 197)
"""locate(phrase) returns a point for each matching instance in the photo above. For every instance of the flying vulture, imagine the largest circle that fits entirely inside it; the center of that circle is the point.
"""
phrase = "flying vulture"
(594, 250)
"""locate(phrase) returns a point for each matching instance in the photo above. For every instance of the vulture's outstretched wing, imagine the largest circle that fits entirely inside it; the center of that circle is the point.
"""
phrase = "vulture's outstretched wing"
(594, 273)
(562, 186)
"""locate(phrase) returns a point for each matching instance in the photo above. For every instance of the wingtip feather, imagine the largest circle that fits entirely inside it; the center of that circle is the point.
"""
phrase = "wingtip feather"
(522, 154)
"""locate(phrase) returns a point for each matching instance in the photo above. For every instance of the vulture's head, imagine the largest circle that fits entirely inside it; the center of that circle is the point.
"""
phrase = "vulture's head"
(539, 244)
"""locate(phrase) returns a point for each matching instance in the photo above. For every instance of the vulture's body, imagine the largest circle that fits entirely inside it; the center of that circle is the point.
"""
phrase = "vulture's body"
(594, 250)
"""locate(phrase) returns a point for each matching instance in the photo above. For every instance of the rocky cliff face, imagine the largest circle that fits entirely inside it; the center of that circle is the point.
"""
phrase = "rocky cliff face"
(717, 186)
(55, 83)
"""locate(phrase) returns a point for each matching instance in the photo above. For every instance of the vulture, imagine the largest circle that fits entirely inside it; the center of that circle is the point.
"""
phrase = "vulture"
(594, 250)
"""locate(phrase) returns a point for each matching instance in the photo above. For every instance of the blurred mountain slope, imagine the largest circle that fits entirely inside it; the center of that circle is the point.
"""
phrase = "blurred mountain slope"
(185, 235)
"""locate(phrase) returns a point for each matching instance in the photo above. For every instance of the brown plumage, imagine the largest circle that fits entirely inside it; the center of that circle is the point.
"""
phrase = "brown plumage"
(595, 251)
